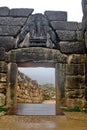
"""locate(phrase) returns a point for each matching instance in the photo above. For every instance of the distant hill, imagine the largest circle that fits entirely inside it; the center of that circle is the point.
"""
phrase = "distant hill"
(29, 91)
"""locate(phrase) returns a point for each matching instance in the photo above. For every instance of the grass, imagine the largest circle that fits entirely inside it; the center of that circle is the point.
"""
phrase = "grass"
(76, 109)
(3, 109)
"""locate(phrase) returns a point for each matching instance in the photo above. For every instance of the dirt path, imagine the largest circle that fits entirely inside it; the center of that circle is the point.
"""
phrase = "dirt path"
(40, 123)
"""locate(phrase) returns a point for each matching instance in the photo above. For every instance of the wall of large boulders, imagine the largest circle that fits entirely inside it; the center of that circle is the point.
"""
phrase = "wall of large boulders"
(45, 38)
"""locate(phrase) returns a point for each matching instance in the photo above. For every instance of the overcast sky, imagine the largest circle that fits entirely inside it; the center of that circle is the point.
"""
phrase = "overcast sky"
(73, 7)
(42, 75)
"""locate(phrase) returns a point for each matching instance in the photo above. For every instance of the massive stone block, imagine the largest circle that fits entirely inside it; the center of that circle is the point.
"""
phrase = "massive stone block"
(72, 47)
(7, 42)
(3, 67)
(75, 69)
(75, 82)
(2, 54)
(10, 21)
(3, 77)
(3, 85)
(2, 99)
(56, 15)
(80, 36)
(9, 30)
(38, 54)
(65, 35)
(21, 12)
(63, 25)
(4, 11)
(77, 59)
(75, 93)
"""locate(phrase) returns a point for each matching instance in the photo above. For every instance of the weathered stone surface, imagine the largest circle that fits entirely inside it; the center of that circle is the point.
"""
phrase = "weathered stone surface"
(2, 99)
(72, 47)
(38, 54)
(7, 42)
(3, 90)
(3, 85)
(65, 35)
(85, 34)
(5, 21)
(4, 11)
(63, 25)
(3, 77)
(3, 67)
(21, 12)
(75, 82)
(79, 36)
(37, 32)
(77, 58)
(80, 26)
(71, 103)
(84, 6)
(56, 15)
(2, 54)
(12, 83)
(9, 30)
(75, 93)
(75, 69)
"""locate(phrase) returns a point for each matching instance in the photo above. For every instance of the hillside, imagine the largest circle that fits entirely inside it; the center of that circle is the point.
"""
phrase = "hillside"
(29, 91)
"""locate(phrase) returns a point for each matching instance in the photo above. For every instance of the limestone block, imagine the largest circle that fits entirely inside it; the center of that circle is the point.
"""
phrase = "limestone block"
(21, 12)
(84, 6)
(56, 15)
(63, 25)
(3, 67)
(3, 85)
(75, 82)
(37, 54)
(79, 36)
(3, 90)
(5, 21)
(2, 99)
(7, 42)
(9, 30)
(74, 102)
(72, 47)
(85, 38)
(4, 11)
(2, 54)
(65, 35)
(77, 58)
(80, 26)
(75, 93)
(3, 77)
(75, 69)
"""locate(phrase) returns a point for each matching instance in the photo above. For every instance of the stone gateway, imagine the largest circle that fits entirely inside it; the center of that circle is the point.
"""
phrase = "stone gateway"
(47, 39)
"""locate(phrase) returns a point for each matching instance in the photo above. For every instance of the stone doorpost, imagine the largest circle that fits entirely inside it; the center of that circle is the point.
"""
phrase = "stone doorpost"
(12, 84)
(60, 77)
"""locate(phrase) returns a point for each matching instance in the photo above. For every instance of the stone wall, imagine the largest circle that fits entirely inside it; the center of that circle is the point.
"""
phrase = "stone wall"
(45, 38)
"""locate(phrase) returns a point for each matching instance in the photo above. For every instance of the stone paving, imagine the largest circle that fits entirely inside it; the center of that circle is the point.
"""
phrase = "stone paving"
(40, 123)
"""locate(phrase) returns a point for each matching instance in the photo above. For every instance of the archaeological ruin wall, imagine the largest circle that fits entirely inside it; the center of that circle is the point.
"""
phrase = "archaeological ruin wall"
(47, 39)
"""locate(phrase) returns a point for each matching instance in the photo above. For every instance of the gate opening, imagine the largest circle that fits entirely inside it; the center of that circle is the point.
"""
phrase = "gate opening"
(36, 91)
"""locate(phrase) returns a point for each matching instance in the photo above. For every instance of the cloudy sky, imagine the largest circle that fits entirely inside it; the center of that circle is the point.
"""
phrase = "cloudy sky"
(73, 7)
(42, 75)
(74, 10)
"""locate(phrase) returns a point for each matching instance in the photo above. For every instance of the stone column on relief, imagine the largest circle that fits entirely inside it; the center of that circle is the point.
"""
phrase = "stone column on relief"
(37, 32)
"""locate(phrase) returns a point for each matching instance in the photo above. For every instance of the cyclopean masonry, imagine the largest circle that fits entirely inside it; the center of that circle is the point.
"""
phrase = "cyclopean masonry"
(47, 40)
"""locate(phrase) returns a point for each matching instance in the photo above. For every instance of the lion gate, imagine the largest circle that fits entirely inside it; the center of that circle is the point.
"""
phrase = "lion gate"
(44, 40)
